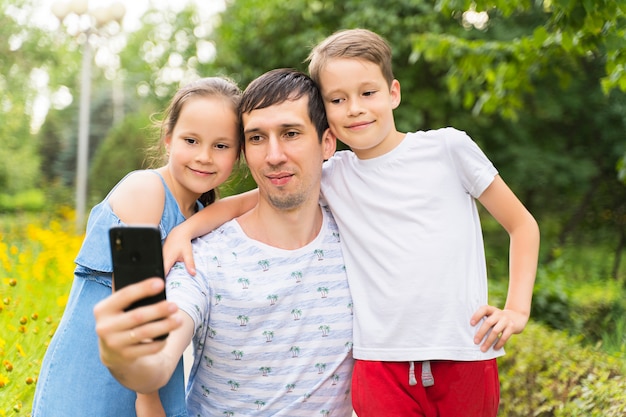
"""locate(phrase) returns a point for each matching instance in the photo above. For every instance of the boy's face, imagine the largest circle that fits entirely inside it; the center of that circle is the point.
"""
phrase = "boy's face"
(359, 106)
(284, 153)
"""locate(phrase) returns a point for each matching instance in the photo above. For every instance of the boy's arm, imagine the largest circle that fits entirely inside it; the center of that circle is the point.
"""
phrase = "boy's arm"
(523, 232)
(127, 342)
(177, 246)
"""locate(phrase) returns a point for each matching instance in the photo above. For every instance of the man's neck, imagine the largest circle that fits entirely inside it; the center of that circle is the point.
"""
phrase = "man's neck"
(282, 229)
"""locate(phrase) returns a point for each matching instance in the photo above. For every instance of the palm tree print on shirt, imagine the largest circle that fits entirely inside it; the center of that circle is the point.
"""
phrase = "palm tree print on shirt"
(325, 330)
(323, 291)
(269, 335)
(297, 313)
(273, 298)
(295, 351)
(321, 367)
(264, 264)
(319, 253)
(245, 282)
(238, 355)
(265, 370)
(297, 275)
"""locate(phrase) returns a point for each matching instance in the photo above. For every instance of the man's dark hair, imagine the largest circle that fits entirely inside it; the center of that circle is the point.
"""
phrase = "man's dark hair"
(280, 85)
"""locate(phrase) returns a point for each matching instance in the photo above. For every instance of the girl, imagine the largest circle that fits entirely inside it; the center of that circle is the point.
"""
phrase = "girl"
(200, 134)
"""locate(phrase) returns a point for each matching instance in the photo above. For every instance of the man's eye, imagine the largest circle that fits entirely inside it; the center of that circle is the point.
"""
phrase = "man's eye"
(292, 134)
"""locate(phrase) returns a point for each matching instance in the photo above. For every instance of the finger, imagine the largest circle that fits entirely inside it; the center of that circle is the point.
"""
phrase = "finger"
(121, 299)
(153, 329)
(111, 323)
(188, 260)
(482, 311)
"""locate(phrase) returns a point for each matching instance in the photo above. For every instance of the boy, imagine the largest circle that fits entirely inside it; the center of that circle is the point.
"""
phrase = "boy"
(405, 205)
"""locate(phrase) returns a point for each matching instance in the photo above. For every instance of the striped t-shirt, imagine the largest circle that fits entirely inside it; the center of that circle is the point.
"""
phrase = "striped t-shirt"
(273, 327)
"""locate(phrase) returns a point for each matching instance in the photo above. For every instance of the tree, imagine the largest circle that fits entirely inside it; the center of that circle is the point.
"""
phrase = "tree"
(536, 87)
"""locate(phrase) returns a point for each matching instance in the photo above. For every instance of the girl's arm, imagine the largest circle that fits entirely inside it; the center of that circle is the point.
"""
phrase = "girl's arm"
(523, 231)
(177, 245)
(149, 405)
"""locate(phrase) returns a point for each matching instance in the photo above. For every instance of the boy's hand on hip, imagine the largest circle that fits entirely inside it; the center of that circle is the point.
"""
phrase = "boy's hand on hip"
(498, 326)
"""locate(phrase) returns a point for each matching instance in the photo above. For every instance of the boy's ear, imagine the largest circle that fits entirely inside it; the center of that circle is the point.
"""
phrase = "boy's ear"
(329, 143)
(395, 94)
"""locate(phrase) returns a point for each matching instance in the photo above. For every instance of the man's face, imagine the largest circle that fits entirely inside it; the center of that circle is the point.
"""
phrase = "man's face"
(284, 154)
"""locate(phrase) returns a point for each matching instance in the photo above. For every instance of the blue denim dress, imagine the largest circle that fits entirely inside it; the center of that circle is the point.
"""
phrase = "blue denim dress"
(72, 380)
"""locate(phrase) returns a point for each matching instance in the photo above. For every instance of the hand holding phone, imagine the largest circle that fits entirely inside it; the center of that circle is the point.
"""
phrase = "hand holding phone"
(137, 254)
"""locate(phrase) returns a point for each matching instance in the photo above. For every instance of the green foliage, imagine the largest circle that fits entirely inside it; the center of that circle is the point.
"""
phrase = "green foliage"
(494, 75)
(29, 200)
(122, 151)
(546, 374)
(581, 303)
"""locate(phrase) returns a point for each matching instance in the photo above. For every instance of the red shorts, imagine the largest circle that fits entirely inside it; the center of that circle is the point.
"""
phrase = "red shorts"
(461, 389)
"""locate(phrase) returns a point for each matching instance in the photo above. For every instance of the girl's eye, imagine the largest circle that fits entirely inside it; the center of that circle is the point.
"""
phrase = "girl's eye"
(190, 141)
(336, 101)
(222, 146)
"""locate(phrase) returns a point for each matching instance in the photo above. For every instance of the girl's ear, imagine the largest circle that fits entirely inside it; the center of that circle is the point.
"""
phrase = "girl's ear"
(167, 142)
(329, 143)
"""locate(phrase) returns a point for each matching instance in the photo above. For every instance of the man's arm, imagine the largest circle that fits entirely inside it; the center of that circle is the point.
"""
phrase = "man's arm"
(523, 231)
(177, 245)
(126, 339)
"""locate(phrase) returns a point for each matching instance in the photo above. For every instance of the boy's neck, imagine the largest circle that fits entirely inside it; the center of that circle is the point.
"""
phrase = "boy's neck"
(391, 142)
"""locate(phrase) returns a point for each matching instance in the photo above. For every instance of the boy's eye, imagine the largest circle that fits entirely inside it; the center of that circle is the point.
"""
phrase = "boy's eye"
(369, 93)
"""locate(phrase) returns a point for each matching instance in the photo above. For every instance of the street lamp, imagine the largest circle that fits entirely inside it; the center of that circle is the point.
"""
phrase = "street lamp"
(88, 23)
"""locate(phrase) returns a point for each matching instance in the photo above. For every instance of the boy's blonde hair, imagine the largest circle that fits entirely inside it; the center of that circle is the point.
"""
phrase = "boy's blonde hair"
(352, 43)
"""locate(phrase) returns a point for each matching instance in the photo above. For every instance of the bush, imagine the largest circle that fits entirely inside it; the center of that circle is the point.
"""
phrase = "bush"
(546, 373)
(30, 200)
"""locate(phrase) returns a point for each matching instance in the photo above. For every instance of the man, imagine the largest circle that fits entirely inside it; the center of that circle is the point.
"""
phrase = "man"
(269, 310)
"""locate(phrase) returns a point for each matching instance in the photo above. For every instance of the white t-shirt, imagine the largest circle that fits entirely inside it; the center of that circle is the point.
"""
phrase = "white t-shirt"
(273, 327)
(413, 247)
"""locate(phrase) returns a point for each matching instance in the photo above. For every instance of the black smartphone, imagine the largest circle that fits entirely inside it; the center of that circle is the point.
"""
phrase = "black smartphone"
(137, 254)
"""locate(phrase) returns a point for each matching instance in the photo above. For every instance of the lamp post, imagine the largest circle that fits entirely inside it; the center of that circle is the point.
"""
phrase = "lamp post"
(88, 23)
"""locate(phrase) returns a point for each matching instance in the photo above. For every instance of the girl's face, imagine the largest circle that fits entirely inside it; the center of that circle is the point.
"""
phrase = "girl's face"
(203, 147)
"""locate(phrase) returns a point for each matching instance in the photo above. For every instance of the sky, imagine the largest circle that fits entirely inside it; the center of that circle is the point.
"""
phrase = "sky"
(134, 9)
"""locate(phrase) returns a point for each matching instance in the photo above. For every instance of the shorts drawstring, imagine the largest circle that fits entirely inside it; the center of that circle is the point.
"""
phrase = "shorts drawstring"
(412, 380)
(427, 376)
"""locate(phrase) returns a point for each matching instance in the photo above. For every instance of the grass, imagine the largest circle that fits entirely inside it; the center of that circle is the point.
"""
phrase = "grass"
(36, 272)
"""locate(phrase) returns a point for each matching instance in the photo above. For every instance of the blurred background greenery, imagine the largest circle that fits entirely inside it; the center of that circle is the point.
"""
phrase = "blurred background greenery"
(540, 85)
